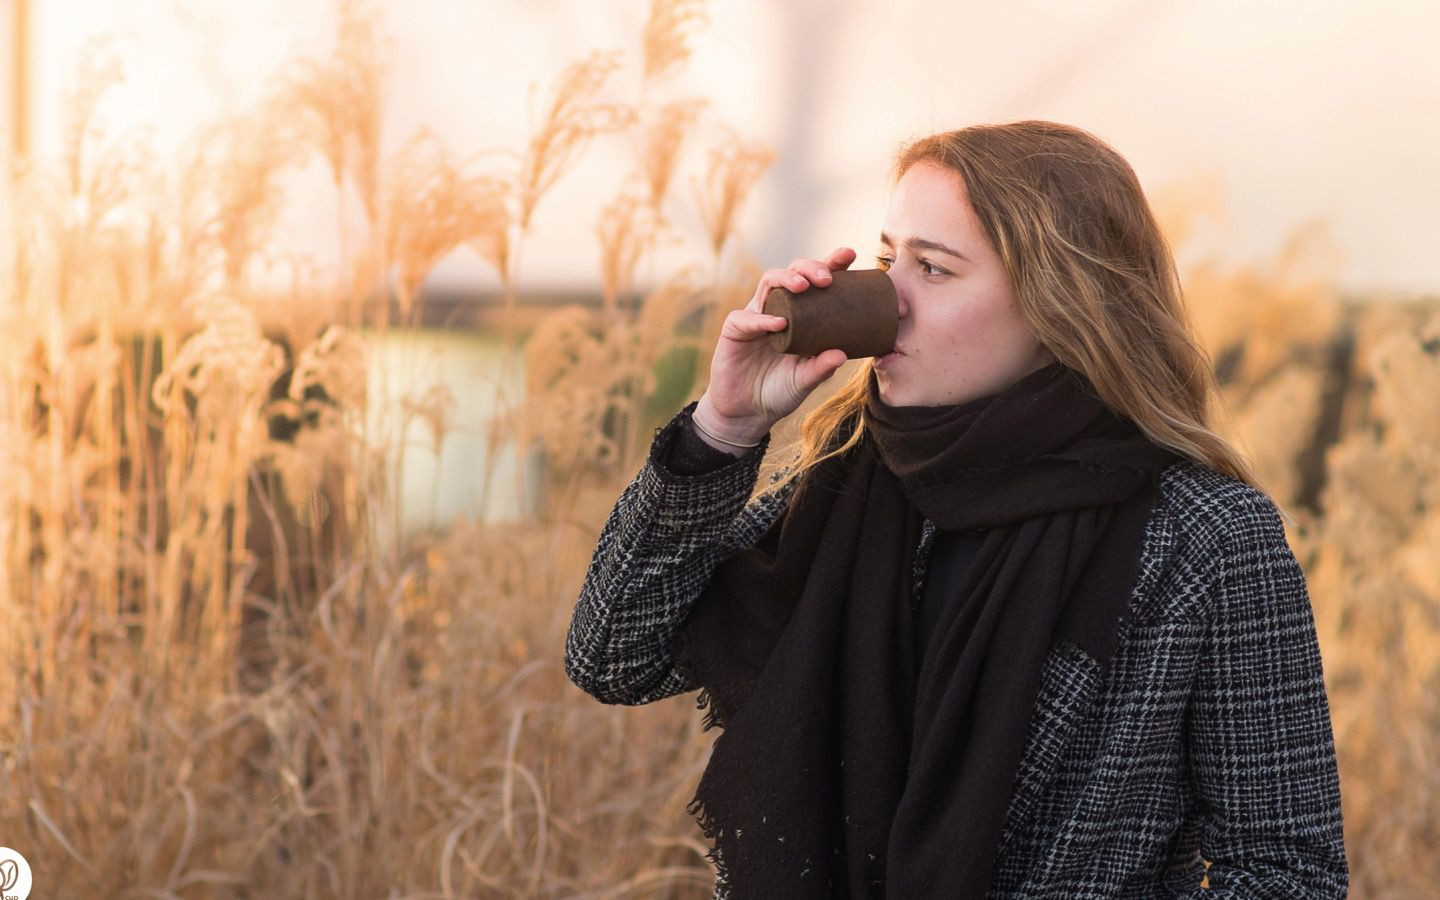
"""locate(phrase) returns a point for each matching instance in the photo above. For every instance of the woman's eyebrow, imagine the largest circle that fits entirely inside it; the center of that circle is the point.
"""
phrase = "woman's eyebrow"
(919, 243)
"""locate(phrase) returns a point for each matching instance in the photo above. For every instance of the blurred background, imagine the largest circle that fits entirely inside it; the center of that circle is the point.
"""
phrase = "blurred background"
(333, 330)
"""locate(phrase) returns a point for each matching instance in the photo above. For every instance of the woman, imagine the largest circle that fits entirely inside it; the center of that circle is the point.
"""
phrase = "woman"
(1018, 622)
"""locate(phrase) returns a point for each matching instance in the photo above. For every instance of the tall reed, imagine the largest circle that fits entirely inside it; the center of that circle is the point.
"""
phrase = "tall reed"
(226, 669)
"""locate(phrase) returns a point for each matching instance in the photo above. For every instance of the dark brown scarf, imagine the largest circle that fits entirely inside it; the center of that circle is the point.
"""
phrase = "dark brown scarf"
(844, 768)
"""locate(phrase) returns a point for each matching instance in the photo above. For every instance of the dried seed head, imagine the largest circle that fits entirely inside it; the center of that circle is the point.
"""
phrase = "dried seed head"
(666, 30)
(734, 169)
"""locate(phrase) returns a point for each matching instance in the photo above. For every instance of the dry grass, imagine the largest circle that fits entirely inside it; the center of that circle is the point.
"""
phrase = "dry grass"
(663, 139)
(628, 228)
(734, 168)
(432, 206)
(571, 120)
(226, 672)
(666, 29)
(225, 669)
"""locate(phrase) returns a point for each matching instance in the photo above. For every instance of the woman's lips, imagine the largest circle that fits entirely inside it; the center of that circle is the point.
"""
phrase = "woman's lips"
(888, 358)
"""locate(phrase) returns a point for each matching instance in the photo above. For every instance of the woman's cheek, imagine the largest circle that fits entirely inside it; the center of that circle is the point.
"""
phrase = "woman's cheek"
(971, 327)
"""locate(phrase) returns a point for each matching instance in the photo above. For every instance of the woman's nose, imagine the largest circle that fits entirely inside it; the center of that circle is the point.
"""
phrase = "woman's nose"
(901, 293)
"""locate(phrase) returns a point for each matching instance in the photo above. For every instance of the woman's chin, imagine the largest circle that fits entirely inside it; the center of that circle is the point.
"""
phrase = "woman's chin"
(888, 391)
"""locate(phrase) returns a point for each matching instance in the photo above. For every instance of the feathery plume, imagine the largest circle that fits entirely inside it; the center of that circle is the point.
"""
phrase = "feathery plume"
(432, 207)
(573, 118)
(628, 226)
(669, 24)
(734, 169)
(660, 150)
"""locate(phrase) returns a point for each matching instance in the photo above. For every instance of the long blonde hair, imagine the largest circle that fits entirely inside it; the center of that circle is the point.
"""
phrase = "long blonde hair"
(1094, 276)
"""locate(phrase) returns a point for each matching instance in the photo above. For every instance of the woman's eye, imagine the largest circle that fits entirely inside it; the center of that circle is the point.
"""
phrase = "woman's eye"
(884, 263)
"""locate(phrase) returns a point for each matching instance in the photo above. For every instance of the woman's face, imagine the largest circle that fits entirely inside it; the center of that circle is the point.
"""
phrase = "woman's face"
(961, 333)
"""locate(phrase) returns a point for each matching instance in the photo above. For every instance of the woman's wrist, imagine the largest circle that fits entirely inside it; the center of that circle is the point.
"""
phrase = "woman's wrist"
(735, 438)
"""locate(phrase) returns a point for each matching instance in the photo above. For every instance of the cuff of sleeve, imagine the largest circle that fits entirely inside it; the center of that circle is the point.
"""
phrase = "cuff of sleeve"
(678, 453)
(699, 498)
(689, 454)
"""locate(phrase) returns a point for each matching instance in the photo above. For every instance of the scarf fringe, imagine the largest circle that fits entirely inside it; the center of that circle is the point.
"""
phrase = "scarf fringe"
(680, 658)
(706, 702)
(713, 832)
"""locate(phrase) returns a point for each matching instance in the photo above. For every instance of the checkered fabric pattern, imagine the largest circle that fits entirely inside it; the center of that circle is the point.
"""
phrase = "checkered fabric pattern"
(1209, 736)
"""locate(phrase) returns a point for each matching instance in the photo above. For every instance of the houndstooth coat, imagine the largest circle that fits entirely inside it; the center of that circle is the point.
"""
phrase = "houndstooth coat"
(1209, 736)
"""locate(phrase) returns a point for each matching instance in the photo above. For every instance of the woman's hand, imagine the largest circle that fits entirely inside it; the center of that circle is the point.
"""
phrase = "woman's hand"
(752, 385)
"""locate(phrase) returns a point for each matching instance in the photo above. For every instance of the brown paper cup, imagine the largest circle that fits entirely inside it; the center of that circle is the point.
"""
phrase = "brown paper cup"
(857, 313)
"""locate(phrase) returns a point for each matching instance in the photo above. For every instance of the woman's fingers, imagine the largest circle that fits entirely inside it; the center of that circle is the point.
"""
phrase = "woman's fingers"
(841, 258)
(789, 279)
(799, 275)
(747, 324)
(813, 269)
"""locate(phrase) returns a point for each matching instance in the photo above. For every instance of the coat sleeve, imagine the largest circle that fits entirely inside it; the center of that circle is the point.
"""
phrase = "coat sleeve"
(656, 552)
(1260, 742)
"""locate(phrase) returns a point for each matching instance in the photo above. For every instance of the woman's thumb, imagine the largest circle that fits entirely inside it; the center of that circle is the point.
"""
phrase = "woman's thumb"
(810, 372)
